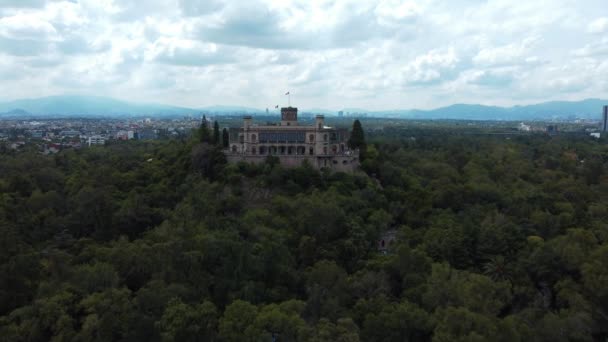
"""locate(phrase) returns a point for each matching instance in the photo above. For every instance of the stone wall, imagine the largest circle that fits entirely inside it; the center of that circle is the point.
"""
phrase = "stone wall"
(342, 163)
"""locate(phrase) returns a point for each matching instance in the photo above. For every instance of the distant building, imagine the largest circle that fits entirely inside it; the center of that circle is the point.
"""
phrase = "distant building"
(69, 134)
(51, 149)
(596, 135)
(293, 144)
(147, 134)
(386, 241)
(96, 140)
(37, 134)
(552, 129)
(340, 114)
(523, 127)
(605, 120)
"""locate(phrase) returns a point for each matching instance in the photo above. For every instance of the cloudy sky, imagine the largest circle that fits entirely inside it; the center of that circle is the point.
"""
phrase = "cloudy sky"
(380, 54)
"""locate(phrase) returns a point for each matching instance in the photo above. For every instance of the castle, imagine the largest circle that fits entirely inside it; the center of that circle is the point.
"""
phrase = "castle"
(321, 146)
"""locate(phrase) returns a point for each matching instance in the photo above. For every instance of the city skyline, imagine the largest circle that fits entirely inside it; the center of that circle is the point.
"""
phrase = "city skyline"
(373, 55)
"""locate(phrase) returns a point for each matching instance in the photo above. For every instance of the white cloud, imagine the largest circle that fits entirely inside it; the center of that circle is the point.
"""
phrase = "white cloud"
(431, 67)
(510, 54)
(599, 25)
(22, 3)
(23, 27)
(188, 53)
(377, 54)
(596, 48)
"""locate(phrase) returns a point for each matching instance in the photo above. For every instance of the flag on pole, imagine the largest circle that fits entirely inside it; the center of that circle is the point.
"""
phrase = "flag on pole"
(287, 93)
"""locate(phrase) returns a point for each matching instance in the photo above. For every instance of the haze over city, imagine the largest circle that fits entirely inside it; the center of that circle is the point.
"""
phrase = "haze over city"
(329, 54)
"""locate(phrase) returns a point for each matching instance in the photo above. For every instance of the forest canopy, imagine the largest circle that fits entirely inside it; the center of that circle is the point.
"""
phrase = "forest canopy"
(496, 238)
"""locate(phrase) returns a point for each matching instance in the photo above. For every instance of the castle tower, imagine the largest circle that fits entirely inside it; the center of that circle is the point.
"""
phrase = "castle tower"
(289, 116)
(321, 141)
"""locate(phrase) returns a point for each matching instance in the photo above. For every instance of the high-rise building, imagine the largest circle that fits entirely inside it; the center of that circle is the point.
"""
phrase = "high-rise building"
(605, 121)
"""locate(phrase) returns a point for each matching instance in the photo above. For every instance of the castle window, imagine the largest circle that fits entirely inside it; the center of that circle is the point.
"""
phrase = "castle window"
(311, 138)
(324, 150)
(253, 137)
(311, 151)
(320, 126)
(324, 137)
(253, 150)
(233, 149)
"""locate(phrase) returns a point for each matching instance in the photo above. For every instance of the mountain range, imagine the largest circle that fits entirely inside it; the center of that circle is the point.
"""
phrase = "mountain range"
(94, 106)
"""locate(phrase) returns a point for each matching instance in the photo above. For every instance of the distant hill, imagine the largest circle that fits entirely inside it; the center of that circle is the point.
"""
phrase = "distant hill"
(95, 106)
(90, 106)
(15, 113)
(231, 109)
(588, 109)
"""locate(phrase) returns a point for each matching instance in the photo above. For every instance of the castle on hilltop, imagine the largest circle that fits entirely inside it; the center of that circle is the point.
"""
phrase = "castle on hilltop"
(321, 146)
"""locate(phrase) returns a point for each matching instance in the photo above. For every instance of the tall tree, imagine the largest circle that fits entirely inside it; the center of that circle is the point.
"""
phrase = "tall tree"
(204, 131)
(225, 138)
(357, 138)
(216, 133)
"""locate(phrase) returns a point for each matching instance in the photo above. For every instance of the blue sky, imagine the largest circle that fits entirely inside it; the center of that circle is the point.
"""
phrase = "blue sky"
(329, 54)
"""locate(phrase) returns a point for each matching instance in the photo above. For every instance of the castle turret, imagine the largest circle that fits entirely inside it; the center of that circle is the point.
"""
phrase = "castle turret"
(247, 122)
(319, 121)
(321, 136)
(289, 116)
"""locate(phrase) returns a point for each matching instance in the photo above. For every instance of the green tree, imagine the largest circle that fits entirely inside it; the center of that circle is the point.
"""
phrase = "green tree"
(403, 321)
(204, 134)
(225, 138)
(326, 288)
(478, 293)
(357, 137)
(462, 325)
(109, 316)
(281, 321)
(216, 133)
(595, 278)
(208, 160)
(344, 330)
(238, 317)
(183, 322)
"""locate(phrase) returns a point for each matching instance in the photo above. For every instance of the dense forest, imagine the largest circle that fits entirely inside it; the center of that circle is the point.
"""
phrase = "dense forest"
(499, 238)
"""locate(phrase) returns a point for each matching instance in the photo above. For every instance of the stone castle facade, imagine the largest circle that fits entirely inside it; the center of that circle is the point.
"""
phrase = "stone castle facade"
(321, 146)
